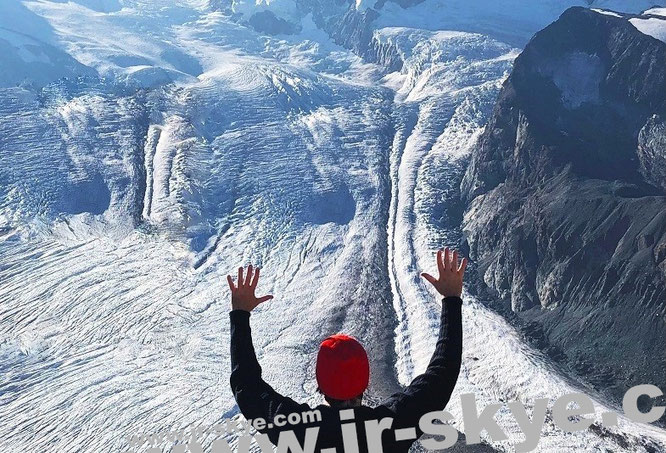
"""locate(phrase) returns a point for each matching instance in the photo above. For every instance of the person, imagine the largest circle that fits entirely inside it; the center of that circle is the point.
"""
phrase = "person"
(342, 374)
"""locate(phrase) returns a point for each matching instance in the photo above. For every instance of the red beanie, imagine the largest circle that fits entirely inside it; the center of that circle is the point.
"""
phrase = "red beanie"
(342, 368)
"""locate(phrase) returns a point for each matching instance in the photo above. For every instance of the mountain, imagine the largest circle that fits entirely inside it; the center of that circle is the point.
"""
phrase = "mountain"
(566, 202)
(147, 149)
(351, 23)
(28, 49)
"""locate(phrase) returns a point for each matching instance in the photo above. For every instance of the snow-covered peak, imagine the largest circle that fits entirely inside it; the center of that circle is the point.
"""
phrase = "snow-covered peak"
(362, 5)
(28, 49)
(270, 16)
(513, 21)
(652, 22)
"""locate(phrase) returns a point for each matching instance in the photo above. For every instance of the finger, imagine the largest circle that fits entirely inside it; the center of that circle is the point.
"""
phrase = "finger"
(463, 265)
(264, 299)
(231, 283)
(429, 277)
(240, 277)
(447, 259)
(248, 278)
(255, 280)
(440, 262)
(454, 263)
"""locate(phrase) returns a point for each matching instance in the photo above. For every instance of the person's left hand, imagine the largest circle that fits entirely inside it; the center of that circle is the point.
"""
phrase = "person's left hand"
(242, 296)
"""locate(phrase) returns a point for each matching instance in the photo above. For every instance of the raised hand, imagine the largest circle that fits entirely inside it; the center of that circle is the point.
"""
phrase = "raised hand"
(242, 295)
(451, 274)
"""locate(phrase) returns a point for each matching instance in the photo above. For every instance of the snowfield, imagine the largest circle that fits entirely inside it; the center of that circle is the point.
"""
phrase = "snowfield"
(652, 22)
(147, 149)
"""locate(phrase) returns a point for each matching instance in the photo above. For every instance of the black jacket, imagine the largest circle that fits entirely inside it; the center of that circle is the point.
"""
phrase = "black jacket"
(426, 393)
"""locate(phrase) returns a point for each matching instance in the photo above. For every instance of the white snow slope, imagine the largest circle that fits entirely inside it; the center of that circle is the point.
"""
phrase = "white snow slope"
(181, 144)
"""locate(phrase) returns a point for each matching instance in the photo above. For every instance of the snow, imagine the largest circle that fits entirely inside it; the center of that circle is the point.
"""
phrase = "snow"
(652, 26)
(607, 13)
(651, 22)
(27, 50)
(126, 200)
(511, 21)
(656, 11)
(102, 6)
(578, 76)
(105, 43)
(364, 5)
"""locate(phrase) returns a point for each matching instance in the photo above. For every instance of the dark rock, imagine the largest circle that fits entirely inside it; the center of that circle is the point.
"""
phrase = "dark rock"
(652, 151)
(267, 22)
(566, 213)
(354, 30)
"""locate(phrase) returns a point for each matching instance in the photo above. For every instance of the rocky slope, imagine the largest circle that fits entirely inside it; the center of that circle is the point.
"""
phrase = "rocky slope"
(566, 209)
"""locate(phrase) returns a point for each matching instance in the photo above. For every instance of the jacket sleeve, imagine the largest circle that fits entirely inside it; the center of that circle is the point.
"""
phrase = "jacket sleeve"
(255, 398)
(431, 390)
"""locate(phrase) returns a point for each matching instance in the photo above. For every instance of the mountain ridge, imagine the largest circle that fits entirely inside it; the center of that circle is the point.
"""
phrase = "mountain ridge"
(565, 215)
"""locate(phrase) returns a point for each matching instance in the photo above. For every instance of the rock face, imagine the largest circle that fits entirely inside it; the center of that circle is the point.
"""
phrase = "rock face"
(566, 202)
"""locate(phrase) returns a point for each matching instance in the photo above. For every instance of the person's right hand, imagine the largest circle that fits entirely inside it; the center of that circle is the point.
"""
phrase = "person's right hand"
(450, 279)
(242, 294)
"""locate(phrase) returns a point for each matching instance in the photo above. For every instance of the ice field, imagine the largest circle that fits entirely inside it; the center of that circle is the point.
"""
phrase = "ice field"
(184, 143)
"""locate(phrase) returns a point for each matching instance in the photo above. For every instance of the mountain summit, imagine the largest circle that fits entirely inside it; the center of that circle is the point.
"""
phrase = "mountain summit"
(566, 206)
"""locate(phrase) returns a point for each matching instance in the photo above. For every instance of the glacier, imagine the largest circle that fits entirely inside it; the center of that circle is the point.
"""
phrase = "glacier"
(147, 149)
